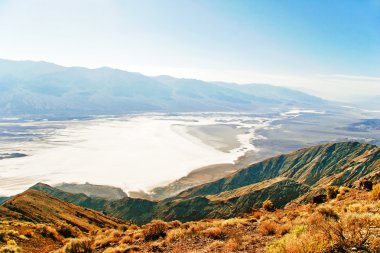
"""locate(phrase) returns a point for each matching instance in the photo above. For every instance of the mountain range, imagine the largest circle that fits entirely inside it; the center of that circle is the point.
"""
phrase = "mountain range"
(293, 177)
(41, 88)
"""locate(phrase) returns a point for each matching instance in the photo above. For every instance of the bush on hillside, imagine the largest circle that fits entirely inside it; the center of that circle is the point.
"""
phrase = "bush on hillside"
(328, 212)
(323, 234)
(11, 247)
(67, 230)
(78, 246)
(155, 230)
(375, 194)
(47, 231)
(332, 192)
(268, 206)
(214, 233)
(268, 227)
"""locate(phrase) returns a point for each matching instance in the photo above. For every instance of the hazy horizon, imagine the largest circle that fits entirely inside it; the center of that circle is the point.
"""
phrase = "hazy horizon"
(326, 49)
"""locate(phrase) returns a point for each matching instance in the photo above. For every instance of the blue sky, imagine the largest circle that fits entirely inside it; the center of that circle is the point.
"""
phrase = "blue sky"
(330, 48)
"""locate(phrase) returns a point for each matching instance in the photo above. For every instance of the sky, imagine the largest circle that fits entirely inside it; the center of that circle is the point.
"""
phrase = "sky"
(329, 48)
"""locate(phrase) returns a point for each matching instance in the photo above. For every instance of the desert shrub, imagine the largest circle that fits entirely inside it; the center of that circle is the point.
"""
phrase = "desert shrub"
(10, 249)
(268, 227)
(300, 239)
(29, 233)
(3, 236)
(23, 237)
(78, 246)
(214, 233)
(123, 249)
(237, 222)
(67, 230)
(155, 230)
(174, 224)
(157, 246)
(133, 227)
(12, 232)
(215, 246)
(332, 192)
(47, 231)
(375, 194)
(257, 214)
(231, 245)
(175, 234)
(375, 245)
(326, 234)
(193, 229)
(6, 233)
(343, 190)
(127, 239)
(268, 205)
(327, 212)
(283, 229)
(355, 231)
(104, 241)
(138, 235)
(123, 227)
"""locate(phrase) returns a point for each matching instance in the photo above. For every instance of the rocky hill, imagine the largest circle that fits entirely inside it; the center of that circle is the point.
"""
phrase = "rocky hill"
(315, 167)
(291, 177)
(40, 207)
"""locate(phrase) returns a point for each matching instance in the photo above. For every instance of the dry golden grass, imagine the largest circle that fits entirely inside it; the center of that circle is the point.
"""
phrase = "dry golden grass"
(123, 249)
(327, 231)
(237, 222)
(48, 231)
(231, 245)
(83, 245)
(155, 230)
(215, 246)
(67, 230)
(375, 194)
(343, 190)
(268, 227)
(339, 225)
(214, 233)
(176, 234)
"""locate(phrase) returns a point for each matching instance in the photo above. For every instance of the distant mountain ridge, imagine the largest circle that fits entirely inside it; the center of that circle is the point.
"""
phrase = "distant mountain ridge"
(28, 87)
(91, 190)
(290, 177)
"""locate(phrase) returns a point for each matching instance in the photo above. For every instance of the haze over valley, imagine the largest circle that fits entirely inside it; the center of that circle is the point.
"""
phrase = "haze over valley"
(199, 126)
